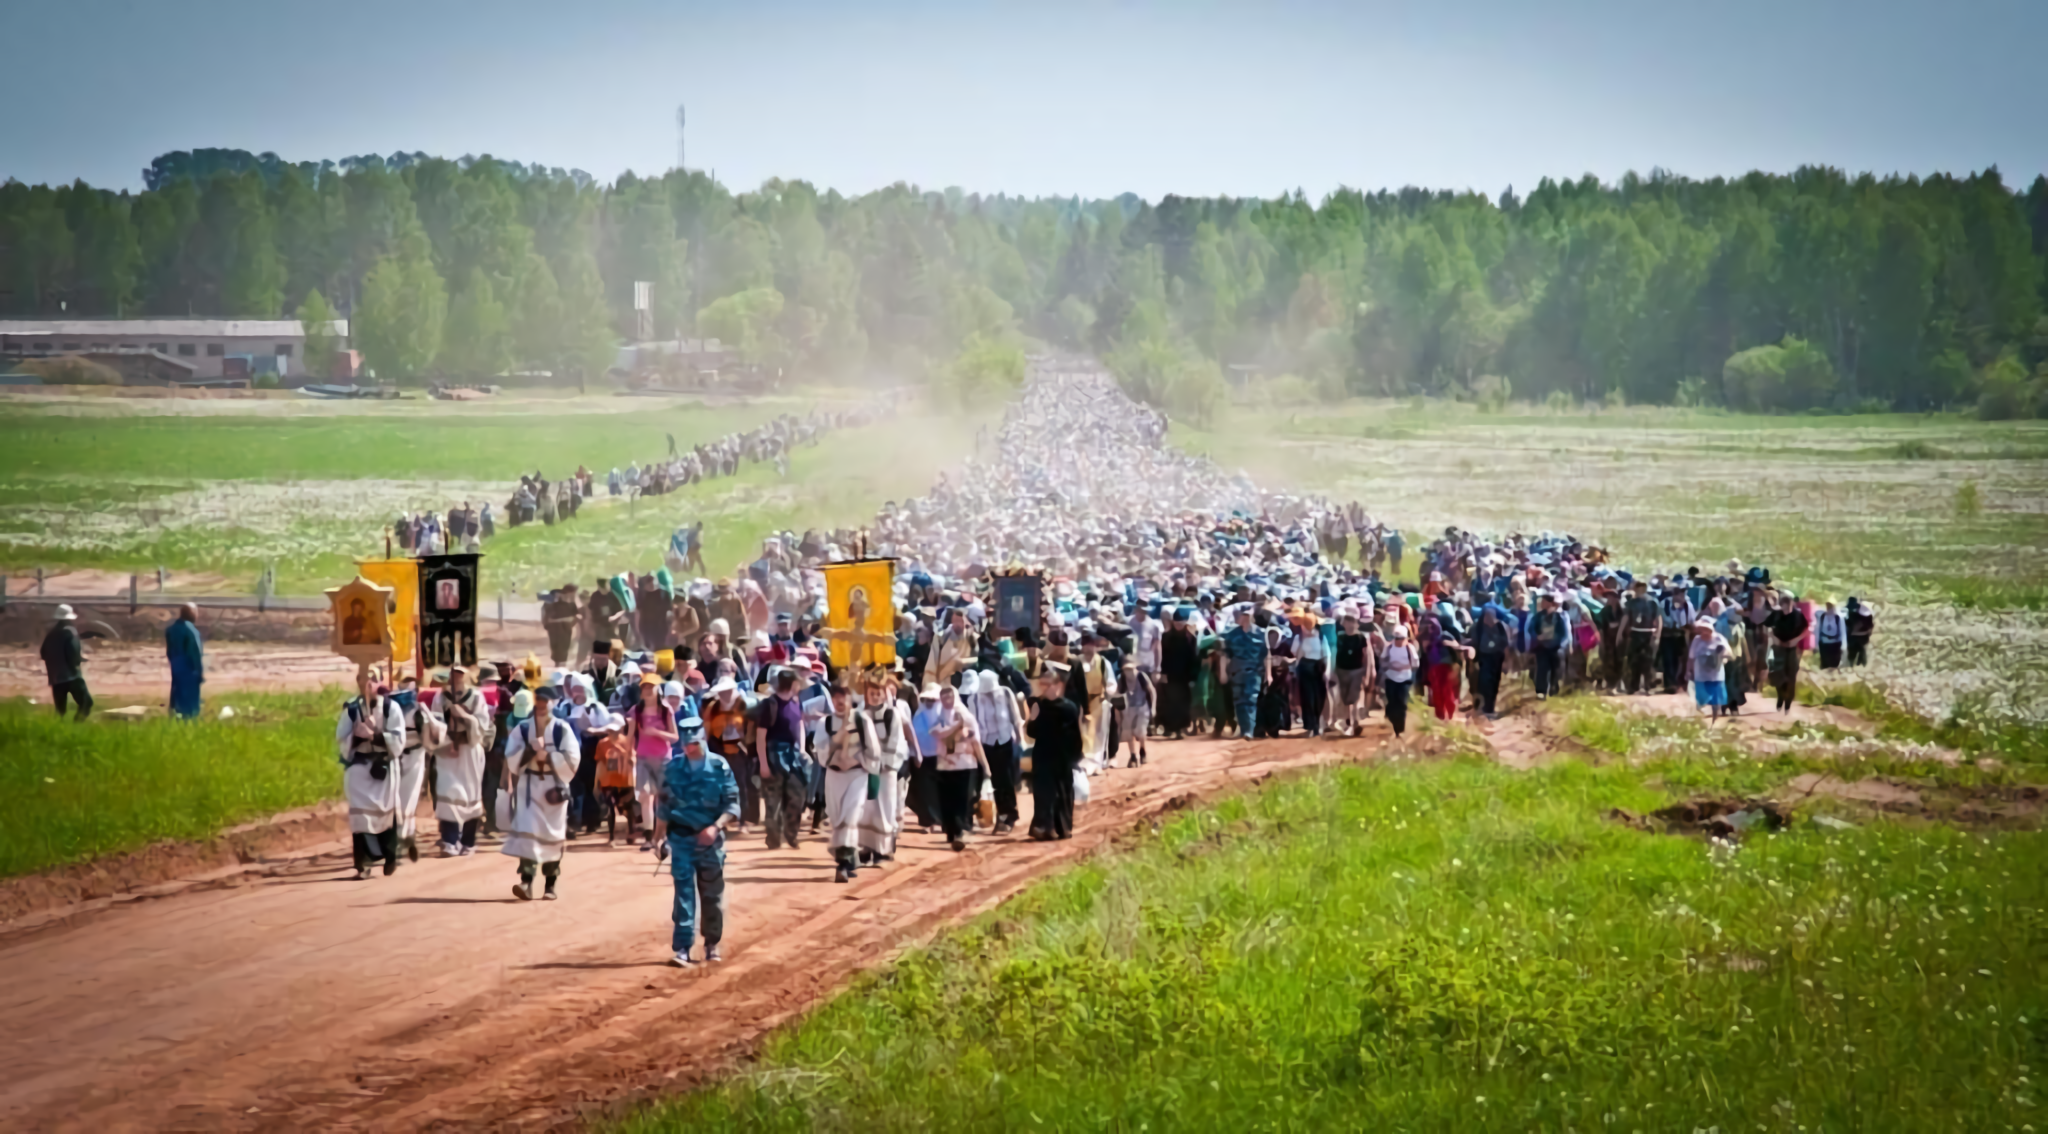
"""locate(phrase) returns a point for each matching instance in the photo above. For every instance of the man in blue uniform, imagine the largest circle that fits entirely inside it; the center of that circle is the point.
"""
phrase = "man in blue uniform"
(1245, 645)
(699, 797)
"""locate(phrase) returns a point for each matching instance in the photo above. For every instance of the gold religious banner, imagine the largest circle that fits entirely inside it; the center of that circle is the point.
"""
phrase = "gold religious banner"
(403, 577)
(362, 621)
(860, 612)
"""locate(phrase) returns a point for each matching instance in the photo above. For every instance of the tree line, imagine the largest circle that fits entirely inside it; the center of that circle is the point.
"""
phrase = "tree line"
(1810, 291)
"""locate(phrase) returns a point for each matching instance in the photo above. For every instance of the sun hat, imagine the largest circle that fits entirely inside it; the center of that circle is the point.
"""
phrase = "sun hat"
(930, 693)
(65, 613)
(724, 685)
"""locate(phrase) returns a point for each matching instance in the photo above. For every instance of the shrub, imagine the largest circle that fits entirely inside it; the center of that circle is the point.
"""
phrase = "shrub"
(1791, 376)
(1969, 502)
(1491, 392)
(1560, 401)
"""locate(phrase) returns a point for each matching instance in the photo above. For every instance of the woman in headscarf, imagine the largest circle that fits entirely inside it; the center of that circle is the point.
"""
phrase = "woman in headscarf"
(1442, 656)
(1490, 645)
(1756, 616)
(1862, 623)
(1734, 629)
(1709, 655)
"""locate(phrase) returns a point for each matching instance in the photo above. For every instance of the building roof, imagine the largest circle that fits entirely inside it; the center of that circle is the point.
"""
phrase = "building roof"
(170, 328)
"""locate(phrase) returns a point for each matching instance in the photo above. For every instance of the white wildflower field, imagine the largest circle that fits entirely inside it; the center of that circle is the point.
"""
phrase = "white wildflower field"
(230, 489)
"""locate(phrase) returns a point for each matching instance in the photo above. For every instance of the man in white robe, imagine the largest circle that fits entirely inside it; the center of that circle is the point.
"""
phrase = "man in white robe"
(459, 765)
(424, 733)
(540, 761)
(369, 736)
(881, 814)
(851, 758)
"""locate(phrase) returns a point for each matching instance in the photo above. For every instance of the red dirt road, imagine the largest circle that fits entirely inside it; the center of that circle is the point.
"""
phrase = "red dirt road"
(289, 998)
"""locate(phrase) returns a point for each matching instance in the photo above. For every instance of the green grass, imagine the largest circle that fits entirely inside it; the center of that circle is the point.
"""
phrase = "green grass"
(1452, 946)
(71, 792)
(406, 441)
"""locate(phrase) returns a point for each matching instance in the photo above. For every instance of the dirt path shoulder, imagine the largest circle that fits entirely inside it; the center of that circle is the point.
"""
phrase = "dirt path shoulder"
(289, 998)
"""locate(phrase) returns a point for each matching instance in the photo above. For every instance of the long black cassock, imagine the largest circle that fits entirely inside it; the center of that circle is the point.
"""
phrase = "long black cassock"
(1056, 736)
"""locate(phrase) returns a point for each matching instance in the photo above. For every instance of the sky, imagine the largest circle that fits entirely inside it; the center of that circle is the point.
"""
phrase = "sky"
(1044, 98)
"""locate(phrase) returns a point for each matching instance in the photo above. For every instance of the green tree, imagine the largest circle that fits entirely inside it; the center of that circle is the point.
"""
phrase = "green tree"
(477, 342)
(404, 308)
(585, 346)
(316, 318)
(745, 322)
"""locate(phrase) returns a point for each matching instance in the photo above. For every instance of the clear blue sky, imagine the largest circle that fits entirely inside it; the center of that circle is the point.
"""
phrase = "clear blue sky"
(1040, 98)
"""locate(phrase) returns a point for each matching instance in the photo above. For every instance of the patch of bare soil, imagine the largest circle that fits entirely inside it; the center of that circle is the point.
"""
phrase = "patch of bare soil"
(2016, 806)
(1725, 818)
(291, 998)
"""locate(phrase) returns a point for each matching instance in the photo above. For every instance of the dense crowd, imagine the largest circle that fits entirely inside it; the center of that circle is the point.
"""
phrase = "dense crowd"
(1176, 599)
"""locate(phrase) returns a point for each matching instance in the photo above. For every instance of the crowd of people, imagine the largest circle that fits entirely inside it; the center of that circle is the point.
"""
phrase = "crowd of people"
(1176, 599)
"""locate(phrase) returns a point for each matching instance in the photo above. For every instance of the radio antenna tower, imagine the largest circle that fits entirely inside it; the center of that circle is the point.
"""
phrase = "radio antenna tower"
(680, 164)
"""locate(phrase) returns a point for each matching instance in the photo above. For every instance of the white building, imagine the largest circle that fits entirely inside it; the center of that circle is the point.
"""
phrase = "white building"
(260, 345)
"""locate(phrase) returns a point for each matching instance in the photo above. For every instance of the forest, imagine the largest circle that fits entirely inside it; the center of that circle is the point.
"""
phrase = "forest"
(1814, 291)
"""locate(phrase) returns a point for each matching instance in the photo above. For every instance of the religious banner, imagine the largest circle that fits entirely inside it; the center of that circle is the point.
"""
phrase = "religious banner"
(403, 577)
(362, 621)
(447, 597)
(860, 611)
(1019, 602)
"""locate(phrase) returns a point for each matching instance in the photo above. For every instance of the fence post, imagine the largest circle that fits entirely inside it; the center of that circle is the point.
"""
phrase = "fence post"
(134, 583)
(161, 577)
(39, 580)
(501, 602)
(3, 592)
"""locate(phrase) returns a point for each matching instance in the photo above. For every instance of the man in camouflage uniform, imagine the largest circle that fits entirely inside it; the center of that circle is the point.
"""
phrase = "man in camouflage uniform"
(1641, 620)
(1245, 647)
(699, 799)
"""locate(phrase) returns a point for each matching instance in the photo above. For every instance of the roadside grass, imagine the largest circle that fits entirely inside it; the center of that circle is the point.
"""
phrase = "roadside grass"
(71, 792)
(1452, 946)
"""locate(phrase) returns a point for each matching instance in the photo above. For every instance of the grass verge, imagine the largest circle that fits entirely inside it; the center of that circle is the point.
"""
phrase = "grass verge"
(70, 791)
(1451, 946)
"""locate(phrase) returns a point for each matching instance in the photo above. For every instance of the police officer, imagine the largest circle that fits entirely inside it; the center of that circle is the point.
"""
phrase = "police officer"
(1245, 645)
(699, 799)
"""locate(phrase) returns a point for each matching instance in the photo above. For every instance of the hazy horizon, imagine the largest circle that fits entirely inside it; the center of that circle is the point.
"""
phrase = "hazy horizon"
(1055, 100)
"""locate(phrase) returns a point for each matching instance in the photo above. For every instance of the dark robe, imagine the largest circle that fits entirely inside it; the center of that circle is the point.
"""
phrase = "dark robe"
(1179, 665)
(1056, 735)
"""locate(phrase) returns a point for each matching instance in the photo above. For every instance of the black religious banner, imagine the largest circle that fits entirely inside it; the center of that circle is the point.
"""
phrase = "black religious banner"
(1019, 603)
(448, 599)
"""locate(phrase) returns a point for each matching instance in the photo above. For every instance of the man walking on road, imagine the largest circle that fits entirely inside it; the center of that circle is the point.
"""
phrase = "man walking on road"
(785, 770)
(370, 735)
(699, 799)
(64, 662)
(188, 662)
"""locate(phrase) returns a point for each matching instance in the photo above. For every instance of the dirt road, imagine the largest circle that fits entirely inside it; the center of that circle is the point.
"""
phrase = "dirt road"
(288, 998)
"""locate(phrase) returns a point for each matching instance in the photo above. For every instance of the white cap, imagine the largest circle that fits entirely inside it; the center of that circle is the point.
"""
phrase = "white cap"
(65, 613)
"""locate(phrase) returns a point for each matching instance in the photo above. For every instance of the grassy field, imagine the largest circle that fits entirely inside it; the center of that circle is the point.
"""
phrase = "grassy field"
(1454, 946)
(70, 792)
(1942, 522)
(222, 489)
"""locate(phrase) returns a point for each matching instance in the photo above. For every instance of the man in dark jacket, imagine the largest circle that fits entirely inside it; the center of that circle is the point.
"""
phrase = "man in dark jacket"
(1180, 665)
(1055, 730)
(64, 660)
